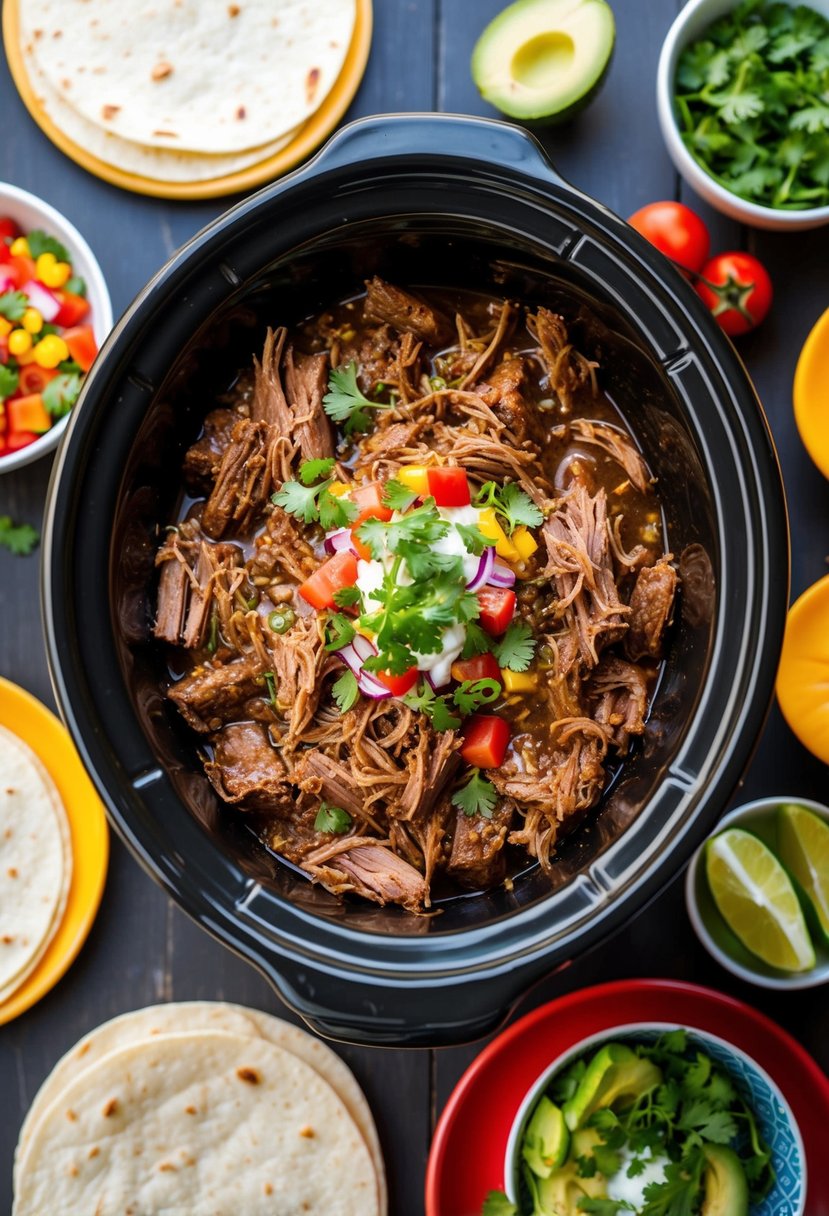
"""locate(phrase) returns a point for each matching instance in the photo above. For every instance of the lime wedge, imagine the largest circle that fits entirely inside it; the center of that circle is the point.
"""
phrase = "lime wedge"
(803, 847)
(757, 900)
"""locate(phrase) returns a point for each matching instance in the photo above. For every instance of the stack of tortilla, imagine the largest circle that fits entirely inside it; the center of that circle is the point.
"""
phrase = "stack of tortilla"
(199, 1107)
(35, 862)
(183, 91)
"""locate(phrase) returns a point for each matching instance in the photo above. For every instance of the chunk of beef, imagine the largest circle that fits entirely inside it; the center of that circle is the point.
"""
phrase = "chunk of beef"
(477, 856)
(502, 393)
(209, 697)
(433, 763)
(185, 594)
(283, 549)
(571, 374)
(243, 481)
(173, 593)
(306, 383)
(405, 312)
(380, 875)
(298, 658)
(203, 459)
(651, 610)
(617, 445)
(377, 357)
(269, 403)
(617, 694)
(247, 769)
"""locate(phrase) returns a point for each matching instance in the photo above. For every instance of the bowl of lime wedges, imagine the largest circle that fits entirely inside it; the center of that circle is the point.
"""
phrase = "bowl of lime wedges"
(757, 893)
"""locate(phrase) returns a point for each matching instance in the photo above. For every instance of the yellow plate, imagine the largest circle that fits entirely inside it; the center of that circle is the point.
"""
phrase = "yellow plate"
(32, 722)
(811, 394)
(803, 675)
(318, 126)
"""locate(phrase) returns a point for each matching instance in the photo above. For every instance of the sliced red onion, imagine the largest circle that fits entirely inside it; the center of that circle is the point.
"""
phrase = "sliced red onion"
(7, 283)
(340, 541)
(482, 575)
(41, 298)
(351, 659)
(372, 688)
(501, 575)
(363, 646)
(354, 656)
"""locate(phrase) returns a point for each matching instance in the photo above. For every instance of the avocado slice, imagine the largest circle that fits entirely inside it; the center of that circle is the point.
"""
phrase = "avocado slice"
(560, 1193)
(542, 60)
(615, 1076)
(726, 1189)
(546, 1139)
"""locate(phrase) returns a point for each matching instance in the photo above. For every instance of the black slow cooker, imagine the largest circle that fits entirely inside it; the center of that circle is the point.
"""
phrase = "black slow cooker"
(435, 200)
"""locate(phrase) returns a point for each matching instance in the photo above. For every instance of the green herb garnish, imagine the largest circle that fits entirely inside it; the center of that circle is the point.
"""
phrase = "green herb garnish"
(76, 285)
(270, 683)
(398, 497)
(41, 242)
(347, 597)
(345, 403)
(315, 503)
(497, 1204)
(61, 393)
(345, 691)
(332, 819)
(9, 380)
(477, 796)
(516, 648)
(472, 694)
(511, 503)
(13, 304)
(339, 631)
(19, 539)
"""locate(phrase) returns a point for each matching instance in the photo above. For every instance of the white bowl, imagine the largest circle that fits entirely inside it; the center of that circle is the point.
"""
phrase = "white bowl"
(774, 1114)
(691, 23)
(28, 212)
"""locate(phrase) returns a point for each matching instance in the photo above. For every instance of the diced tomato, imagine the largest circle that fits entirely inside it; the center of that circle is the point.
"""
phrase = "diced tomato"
(449, 486)
(72, 308)
(82, 345)
(15, 440)
(481, 667)
(497, 609)
(33, 379)
(4, 350)
(22, 268)
(9, 231)
(397, 685)
(485, 739)
(338, 572)
(369, 502)
(28, 414)
(5, 256)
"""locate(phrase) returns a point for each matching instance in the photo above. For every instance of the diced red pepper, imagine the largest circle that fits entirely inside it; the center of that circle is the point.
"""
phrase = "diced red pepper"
(369, 502)
(72, 308)
(82, 345)
(397, 685)
(15, 440)
(33, 379)
(333, 575)
(481, 667)
(9, 231)
(22, 268)
(449, 486)
(485, 739)
(497, 609)
(5, 256)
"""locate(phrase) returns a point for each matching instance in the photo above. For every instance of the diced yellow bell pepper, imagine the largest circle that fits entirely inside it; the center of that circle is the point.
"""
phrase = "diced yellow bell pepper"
(519, 681)
(50, 351)
(32, 321)
(20, 341)
(52, 272)
(488, 524)
(339, 488)
(414, 477)
(5, 327)
(525, 542)
(18, 247)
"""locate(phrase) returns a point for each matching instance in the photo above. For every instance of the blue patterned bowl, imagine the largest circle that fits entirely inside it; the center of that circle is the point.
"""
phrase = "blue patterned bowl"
(774, 1115)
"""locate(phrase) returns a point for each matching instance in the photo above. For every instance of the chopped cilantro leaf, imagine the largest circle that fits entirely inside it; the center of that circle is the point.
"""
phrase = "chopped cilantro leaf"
(345, 691)
(472, 694)
(421, 698)
(477, 796)
(312, 470)
(334, 510)
(61, 393)
(347, 597)
(473, 538)
(497, 1204)
(478, 641)
(511, 503)
(516, 648)
(398, 497)
(345, 403)
(9, 380)
(315, 503)
(76, 285)
(297, 501)
(442, 716)
(332, 819)
(13, 304)
(19, 539)
(41, 242)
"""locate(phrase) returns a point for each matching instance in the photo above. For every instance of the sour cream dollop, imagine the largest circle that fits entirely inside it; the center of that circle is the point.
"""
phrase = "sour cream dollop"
(621, 1187)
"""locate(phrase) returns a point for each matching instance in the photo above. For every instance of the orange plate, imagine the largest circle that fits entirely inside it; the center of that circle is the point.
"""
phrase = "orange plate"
(803, 674)
(32, 722)
(315, 130)
(811, 396)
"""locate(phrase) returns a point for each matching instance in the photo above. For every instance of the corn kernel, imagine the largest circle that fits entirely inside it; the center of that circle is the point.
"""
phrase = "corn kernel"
(488, 524)
(5, 327)
(27, 357)
(50, 351)
(525, 542)
(415, 478)
(51, 272)
(19, 342)
(519, 681)
(18, 247)
(338, 488)
(32, 321)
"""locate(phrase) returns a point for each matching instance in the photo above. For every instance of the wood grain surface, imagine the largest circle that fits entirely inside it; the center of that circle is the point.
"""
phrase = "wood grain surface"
(143, 949)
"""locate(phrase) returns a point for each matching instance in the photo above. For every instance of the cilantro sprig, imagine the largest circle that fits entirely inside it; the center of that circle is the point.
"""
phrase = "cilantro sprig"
(13, 304)
(346, 404)
(345, 691)
(516, 648)
(752, 101)
(9, 380)
(332, 819)
(315, 503)
(511, 503)
(477, 796)
(41, 242)
(19, 539)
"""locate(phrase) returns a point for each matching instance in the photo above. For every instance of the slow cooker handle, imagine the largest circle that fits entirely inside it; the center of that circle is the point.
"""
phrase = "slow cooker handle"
(385, 136)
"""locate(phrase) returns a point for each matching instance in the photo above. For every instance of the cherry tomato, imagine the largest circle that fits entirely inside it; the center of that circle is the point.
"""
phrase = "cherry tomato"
(369, 502)
(481, 667)
(485, 739)
(397, 685)
(9, 231)
(449, 486)
(72, 308)
(82, 345)
(497, 609)
(676, 231)
(737, 289)
(22, 269)
(33, 379)
(338, 572)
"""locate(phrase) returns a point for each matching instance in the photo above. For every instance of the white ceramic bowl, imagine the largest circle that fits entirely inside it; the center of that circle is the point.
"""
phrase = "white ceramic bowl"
(691, 23)
(28, 212)
(775, 1117)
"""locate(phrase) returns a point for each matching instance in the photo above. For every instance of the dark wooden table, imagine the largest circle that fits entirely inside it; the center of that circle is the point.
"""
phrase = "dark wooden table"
(142, 949)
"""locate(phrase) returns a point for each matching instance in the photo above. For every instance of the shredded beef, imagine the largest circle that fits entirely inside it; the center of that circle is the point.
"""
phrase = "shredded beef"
(380, 875)
(570, 372)
(651, 610)
(203, 459)
(617, 694)
(477, 856)
(247, 769)
(405, 312)
(209, 697)
(617, 445)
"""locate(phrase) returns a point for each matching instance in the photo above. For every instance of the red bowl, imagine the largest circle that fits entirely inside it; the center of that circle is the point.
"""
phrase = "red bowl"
(467, 1156)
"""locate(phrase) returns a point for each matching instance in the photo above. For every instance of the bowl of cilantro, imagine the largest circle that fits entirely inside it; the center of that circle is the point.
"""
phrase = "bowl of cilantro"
(656, 1118)
(743, 102)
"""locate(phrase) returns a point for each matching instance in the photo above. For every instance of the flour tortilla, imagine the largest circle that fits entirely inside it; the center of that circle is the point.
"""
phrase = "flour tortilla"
(142, 1024)
(157, 164)
(204, 1123)
(35, 861)
(195, 75)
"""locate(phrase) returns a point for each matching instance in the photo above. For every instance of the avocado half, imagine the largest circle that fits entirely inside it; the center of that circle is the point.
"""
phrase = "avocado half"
(541, 61)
